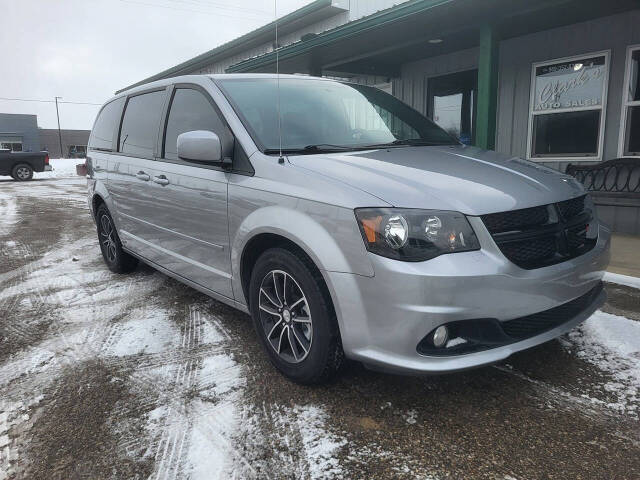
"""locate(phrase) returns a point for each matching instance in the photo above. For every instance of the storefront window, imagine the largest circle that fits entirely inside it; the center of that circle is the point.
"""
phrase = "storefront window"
(567, 107)
(631, 106)
(13, 145)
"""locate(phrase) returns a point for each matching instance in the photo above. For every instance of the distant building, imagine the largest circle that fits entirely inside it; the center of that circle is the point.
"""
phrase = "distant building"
(74, 142)
(20, 133)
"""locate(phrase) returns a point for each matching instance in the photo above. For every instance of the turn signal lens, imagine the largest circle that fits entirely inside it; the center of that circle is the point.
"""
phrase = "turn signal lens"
(370, 227)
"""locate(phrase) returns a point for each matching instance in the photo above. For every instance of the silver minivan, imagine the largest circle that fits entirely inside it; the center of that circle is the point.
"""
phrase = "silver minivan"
(344, 222)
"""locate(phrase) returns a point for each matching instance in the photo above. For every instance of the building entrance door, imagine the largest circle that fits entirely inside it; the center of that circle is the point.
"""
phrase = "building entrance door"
(451, 103)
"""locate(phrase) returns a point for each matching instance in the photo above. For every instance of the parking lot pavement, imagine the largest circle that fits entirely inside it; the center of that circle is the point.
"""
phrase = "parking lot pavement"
(138, 376)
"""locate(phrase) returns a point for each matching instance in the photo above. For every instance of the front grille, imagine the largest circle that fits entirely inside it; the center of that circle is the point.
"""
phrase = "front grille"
(516, 219)
(531, 325)
(571, 208)
(523, 252)
(541, 236)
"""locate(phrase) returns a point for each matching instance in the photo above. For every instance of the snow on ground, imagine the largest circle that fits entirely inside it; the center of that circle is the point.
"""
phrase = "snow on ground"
(148, 331)
(320, 446)
(179, 350)
(612, 343)
(62, 167)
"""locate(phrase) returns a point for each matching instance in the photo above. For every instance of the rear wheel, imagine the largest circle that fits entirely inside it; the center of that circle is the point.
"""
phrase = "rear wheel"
(293, 317)
(22, 172)
(116, 259)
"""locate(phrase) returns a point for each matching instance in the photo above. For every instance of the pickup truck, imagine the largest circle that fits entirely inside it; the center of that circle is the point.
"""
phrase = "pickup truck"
(21, 165)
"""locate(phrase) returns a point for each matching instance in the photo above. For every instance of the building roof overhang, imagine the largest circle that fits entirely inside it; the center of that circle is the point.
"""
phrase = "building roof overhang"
(380, 43)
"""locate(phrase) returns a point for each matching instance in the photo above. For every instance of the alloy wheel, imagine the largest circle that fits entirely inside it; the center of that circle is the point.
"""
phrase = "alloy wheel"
(285, 316)
(107, 238)
(23, 173)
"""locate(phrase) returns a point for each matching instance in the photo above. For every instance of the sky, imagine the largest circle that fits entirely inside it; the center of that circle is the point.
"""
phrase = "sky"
(85, 50)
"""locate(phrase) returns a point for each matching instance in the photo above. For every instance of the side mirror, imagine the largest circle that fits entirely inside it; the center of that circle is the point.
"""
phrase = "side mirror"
(200, 146)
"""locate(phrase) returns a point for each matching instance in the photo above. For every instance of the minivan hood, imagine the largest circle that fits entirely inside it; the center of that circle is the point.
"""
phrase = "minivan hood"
(465, 179)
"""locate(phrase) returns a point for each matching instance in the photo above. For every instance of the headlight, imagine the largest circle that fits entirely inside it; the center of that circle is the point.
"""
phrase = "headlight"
(415, 235)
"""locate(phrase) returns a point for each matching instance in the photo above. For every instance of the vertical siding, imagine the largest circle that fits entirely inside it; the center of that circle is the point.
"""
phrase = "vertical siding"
(24, 126)
(517, 55)
(362, 8)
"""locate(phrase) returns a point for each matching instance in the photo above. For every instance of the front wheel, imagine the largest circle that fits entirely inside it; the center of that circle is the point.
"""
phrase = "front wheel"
(293, 317)
(22, 172)
(116, 259)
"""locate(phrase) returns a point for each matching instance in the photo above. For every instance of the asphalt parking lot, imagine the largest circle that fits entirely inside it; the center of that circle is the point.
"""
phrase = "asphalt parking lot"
(138, 376)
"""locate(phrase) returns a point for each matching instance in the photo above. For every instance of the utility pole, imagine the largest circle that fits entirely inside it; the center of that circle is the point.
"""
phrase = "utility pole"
(59, 132)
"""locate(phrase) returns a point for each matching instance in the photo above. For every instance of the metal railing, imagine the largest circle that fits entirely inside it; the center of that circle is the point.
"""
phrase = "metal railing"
(617, 177)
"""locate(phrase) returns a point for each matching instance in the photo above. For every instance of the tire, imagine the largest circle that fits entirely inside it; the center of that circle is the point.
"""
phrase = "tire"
(300, 317)
(116, 259)
(22, 172)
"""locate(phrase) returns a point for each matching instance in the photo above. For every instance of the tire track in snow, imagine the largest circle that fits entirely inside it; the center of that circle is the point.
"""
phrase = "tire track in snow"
(170, 448)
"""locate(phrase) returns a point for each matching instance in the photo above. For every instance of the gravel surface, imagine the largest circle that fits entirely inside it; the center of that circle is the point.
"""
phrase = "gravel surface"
(138, 376)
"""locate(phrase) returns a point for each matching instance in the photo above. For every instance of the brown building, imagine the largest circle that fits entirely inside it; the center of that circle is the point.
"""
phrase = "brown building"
(74, 142)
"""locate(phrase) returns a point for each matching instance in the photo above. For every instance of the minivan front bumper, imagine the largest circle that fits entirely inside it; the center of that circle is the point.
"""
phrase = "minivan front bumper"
(384, 318)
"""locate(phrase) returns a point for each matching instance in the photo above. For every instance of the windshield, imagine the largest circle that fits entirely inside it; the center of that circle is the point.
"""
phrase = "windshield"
(320, 114)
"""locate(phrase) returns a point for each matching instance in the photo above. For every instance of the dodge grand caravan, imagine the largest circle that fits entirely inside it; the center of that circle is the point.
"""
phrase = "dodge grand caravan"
(346, 223)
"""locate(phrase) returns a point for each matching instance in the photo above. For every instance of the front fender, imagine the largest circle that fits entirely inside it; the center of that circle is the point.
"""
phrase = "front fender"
(328, 234)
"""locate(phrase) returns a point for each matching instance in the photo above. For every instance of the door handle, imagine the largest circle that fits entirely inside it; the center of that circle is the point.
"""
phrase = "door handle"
(161, 180)
(142, 176)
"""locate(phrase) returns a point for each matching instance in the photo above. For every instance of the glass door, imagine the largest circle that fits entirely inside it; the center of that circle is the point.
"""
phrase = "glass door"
(451, 103)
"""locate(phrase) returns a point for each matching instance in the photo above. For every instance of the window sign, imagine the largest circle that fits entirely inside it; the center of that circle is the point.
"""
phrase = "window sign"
(573, 84)
(568, 97)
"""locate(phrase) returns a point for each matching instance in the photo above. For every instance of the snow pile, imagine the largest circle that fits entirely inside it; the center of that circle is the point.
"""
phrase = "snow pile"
(62, 167)
(612, 343)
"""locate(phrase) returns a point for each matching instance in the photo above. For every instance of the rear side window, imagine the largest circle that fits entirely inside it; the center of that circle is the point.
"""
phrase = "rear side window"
(106, 125)
(191, 110)
(139, 131)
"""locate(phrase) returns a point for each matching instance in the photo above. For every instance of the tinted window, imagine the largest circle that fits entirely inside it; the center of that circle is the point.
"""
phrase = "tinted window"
(191, 110)
(634, 77)
(106, 125)
(139, 131)
(632, 143)
(566, 134)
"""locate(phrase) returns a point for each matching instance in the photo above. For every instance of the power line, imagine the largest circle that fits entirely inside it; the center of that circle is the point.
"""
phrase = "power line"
(48, 101)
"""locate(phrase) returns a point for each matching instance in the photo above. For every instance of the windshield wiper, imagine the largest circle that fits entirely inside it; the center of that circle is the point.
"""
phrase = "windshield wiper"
(316, 148)
(414, 142)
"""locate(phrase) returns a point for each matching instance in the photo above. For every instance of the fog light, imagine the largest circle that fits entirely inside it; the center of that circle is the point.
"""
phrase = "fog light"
(440, 336)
